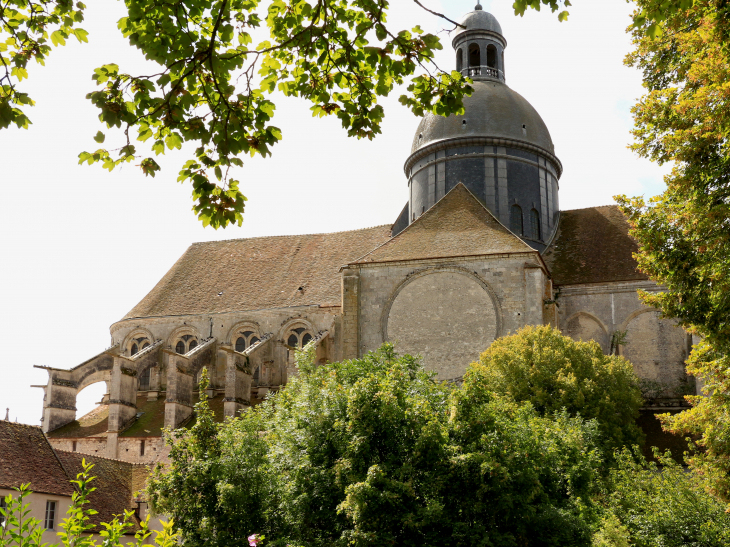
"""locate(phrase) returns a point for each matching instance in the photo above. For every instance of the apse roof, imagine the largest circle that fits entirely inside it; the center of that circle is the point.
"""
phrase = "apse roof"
(258, 273)
(592, 245)
(458, 225)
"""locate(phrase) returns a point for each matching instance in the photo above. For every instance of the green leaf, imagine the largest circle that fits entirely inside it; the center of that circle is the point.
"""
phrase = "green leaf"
(99, 137)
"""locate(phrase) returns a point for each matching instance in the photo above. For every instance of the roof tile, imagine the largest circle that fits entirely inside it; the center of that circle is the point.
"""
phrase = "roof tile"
(592, 245)
(258, 273)
(26, 456)
(458, 225)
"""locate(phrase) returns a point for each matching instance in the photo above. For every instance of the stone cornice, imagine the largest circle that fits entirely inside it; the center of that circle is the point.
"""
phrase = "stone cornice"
(480, 141)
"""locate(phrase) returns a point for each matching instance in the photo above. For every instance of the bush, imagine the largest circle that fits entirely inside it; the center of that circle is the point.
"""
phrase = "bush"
(553, 372)
(375, 452)
(665, 505)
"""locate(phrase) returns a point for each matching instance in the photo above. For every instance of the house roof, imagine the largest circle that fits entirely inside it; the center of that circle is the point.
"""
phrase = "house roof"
(27, 457)
(458, 225)
(592, 245)
(115, 481)
(258, 273)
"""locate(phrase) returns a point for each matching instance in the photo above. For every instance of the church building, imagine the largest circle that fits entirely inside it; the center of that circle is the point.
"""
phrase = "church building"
(480, 250)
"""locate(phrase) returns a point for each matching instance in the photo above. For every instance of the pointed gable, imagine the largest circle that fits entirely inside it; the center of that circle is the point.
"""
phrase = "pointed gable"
(458, 225)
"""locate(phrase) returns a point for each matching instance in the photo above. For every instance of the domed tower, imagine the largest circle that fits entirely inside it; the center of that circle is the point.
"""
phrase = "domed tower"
(500, 148)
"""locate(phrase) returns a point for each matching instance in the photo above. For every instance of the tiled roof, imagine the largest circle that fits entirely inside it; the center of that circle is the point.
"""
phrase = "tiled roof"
(592, 245)
(258, 273)
(458, 225)
(114, 481)
(149, 424)
(27, 457)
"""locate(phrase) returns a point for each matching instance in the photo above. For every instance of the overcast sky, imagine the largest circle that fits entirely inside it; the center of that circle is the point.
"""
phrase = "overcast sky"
(81, 246)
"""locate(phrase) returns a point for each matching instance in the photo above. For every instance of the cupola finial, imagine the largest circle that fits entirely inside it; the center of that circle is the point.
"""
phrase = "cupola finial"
(478, 7)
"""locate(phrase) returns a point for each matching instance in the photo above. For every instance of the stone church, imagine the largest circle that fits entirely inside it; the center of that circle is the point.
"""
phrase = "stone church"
(480, 250)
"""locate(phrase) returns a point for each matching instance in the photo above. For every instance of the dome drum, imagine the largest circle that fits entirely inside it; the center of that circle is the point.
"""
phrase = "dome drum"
(519, 186)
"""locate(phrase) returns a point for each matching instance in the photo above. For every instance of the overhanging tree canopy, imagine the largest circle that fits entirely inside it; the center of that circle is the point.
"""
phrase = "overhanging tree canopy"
(214, 85)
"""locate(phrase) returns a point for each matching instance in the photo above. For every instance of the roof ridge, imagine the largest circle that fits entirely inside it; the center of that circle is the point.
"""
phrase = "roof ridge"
(434, 210)
(592, 207)
(102, 457)
(21, 424)
(290, 235)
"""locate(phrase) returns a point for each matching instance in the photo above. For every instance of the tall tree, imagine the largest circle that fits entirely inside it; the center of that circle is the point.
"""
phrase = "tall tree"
(684, 234)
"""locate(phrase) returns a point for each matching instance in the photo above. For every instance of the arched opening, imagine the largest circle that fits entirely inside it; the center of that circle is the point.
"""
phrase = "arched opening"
(180, 347)
(491, 56)
(475, 58)
(89, 398)
(535, 224)
(515, 220)
(459, 59)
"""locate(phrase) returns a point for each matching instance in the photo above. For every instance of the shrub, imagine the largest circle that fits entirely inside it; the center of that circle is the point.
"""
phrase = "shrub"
(553, 372)
(664, 505)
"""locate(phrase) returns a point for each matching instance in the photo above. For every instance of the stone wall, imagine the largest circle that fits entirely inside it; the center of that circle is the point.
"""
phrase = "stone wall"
(656, 347)
(449, 310)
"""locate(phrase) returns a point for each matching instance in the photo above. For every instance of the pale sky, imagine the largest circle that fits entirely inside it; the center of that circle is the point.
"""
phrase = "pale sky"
(82, 246)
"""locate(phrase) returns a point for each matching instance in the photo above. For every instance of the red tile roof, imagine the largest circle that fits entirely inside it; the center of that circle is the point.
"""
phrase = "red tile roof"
(114, 481)
(27, 457)
(258, 273)
(458, 225)
(592, 245)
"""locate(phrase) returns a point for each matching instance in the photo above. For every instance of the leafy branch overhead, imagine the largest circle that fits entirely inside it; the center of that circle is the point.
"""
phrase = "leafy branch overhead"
(214, 85)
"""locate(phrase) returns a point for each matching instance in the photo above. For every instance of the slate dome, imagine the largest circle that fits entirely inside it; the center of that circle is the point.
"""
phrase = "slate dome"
(493, 110)
(478, 20)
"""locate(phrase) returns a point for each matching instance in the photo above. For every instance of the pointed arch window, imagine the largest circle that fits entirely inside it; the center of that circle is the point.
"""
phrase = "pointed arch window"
(515, 220)
(535, 224)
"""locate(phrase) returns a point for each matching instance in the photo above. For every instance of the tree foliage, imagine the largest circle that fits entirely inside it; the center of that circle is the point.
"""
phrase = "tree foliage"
(684, 234)
(214, 84)
(552, 372)
(662, 505)
(375, 452)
